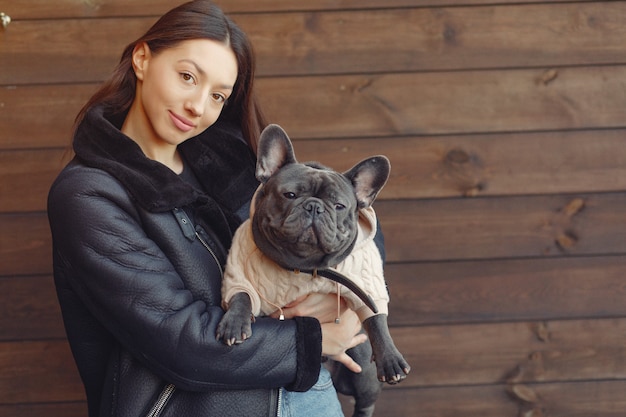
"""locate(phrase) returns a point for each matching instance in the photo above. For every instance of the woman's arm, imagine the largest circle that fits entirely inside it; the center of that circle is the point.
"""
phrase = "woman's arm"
(130, 286)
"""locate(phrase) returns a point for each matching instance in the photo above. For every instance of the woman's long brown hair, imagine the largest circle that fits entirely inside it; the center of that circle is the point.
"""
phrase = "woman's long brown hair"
(198, 19)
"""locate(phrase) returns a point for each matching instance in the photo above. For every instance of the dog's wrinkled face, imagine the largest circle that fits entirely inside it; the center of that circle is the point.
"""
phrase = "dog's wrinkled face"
(305, 215)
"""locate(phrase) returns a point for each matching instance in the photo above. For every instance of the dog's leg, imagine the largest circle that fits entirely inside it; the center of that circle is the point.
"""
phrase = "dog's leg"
(391, 365)
(364, 386)
(236, 325)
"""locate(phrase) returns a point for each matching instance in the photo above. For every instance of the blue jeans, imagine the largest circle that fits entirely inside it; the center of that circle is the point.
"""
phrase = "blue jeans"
(320, 401)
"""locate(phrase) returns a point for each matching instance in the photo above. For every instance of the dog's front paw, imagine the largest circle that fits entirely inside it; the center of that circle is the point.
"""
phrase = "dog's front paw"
(236, 325)
(392, 367)
(233, 330)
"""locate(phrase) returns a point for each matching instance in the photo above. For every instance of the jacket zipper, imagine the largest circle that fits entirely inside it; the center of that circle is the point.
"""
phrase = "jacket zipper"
(189, 231)
(164, 397)
(206, 245)
(280, 400)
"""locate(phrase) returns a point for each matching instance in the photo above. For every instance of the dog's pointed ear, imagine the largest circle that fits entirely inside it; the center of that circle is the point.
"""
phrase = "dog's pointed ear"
(274, 152)
(368, 177)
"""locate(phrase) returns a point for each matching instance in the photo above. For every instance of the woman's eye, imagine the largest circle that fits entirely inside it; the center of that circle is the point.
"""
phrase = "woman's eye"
(219, 98)
(188, 78)
(290, 195)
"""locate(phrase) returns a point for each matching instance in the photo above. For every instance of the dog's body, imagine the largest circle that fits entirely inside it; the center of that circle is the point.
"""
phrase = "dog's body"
(271, 286)
(306, 217)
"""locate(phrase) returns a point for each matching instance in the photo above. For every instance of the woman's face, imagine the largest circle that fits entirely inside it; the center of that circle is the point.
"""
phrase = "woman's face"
(180, 91)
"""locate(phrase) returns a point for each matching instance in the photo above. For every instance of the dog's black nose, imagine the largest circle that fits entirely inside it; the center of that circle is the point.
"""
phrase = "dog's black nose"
(314, 206)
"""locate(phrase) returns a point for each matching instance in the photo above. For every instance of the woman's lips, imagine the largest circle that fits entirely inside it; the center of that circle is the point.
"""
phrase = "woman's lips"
(181, 123)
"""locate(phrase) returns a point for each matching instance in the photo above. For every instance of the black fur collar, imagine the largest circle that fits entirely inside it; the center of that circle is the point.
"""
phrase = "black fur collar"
(220, 159)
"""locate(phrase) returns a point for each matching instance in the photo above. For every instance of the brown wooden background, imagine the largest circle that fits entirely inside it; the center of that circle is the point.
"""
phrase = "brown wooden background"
(504, 217)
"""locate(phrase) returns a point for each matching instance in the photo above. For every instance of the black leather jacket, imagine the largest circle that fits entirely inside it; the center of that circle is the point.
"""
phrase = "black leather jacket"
(137, 258)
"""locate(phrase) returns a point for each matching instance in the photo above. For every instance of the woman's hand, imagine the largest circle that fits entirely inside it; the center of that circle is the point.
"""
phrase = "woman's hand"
(339, 337)
(336, 337)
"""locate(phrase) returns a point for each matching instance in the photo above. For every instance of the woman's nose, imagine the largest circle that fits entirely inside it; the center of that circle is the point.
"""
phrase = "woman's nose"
(196, 104)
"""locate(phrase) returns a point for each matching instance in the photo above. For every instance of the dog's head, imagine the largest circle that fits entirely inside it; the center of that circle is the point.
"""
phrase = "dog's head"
(305, 214)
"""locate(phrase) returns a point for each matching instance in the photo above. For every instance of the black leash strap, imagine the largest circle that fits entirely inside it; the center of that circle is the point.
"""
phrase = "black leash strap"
(348, 283)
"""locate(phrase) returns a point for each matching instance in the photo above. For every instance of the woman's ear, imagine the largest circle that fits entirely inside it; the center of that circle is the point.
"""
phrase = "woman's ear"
(141, 56)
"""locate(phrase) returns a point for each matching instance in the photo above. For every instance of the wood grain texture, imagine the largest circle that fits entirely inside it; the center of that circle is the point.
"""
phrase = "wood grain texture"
(25, 244)
(99, 44)
(347, 41)
(26, 176)
(446, 102)
(504, 122)
(368, 106)
(422, 167)
(38, 372)
(40, 116)
(29, 309)
(43, 9)
(428, 293)
(513, 352)
(581, 399)
(514, 227)
(64, 409)
(427, 39)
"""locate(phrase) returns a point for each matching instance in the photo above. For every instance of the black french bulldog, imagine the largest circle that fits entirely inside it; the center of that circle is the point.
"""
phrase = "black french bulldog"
(307, 217)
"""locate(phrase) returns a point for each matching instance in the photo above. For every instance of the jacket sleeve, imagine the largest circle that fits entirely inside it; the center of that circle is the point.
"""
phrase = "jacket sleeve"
(132, 289)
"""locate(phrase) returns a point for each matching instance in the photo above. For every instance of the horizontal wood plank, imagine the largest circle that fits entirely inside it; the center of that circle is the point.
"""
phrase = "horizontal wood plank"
(483, 401)
(72, 409)
(373, 106)
(38, 372)
(44, 9)
(422, 167)
(583, 399)
(26, 176)
(25, 244)
(446, 102)
(513, 352)
(430, 293)
(515, 227)
(56, 42)
(29, 308)
(40, 116)
(306, 43)
(428, 39)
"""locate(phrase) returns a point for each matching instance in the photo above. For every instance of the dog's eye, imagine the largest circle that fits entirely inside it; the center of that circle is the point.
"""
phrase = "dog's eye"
(290, 195)
(339, 206)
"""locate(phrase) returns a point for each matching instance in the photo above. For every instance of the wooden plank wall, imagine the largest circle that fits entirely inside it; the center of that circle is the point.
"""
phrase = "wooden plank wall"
(504, 216)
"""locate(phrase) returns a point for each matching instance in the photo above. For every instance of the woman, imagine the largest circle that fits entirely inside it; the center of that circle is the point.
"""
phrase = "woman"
(142, 219)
